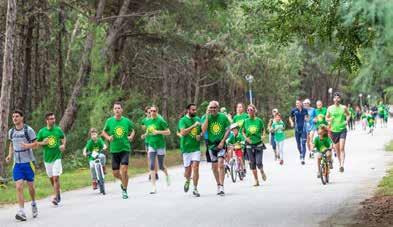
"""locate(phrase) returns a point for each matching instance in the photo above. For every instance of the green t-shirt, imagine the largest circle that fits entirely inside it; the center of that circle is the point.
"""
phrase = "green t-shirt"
(189, 142)
(237, 141)
(94, 146)
(159, 124)
(216, 128)
(352, 112)
(52, 149)
(120, 130)
(370, 120)
(339, 122)
(381, 109)
(321, 145)
(143, 123)
(239, 119)
(278, 128)
(253, 129)
(320, 117)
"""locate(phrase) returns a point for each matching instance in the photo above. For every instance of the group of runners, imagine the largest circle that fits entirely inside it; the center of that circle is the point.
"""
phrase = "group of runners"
(316, 129)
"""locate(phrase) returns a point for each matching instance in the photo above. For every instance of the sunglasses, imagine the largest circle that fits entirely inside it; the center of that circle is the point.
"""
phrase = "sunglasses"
(250, 109)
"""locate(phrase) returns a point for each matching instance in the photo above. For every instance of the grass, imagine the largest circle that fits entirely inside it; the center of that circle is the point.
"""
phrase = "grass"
(385, 187)
(79, 178)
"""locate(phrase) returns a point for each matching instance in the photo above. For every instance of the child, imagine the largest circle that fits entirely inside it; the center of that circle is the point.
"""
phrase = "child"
(278, 127)
(323, 144)
(95, 144)
(370, 122)
(235, 142)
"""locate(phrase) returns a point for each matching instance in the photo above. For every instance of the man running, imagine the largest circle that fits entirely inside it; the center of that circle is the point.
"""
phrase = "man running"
(297, 119)
(320, 113)
(338, 117)
(53, 140)
(190, 146)
(22, 139)
(217, 126)
(310, 126)
(119, 132)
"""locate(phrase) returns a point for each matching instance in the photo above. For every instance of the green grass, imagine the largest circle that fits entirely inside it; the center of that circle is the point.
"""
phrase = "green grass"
(79, 178)
(385, 187)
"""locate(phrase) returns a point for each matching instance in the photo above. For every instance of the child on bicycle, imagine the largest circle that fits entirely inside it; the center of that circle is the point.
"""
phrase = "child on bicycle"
(370, 121)
(278, 128)
(322, 145)
(235, 144)
(95, 144)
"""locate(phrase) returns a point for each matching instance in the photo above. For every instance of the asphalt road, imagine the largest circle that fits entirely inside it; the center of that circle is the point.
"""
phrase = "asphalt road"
(292, 195)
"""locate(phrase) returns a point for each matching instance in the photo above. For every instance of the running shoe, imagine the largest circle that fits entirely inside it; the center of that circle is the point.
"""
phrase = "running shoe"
(256, 184)
(221, 192)
(218, 189)
(303, 162)
(154, 190)
(34, 210)
(21, 216)
(196, 193)
(124, 194)
(186, 186)
(55, 201)
(281, 162)
(263, 175)
(341, 169)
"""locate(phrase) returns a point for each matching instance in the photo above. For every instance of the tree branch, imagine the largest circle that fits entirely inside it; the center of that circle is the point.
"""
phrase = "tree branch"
(142, 14)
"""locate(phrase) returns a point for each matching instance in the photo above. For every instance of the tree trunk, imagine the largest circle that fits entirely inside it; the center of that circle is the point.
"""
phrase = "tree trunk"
(165, 94)
(60, 87)
(72, 107)
(8, 69)
(26, 91)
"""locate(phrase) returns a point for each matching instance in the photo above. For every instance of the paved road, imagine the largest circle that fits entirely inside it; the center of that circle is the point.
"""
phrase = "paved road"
(292, 196)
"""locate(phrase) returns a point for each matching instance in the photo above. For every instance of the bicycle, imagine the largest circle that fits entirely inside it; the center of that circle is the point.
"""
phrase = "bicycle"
(235, 168)
(324, 168)
(99, 171)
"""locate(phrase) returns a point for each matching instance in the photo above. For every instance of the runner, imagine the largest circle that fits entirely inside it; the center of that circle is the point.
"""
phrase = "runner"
(157, 128)
(320, 113)
(143, 122)
(22, 139)
(119, 132)
(53, 140)
(338, 117)
(217, 126)
(239, 118)
(297, 119)
(352, 117)
(310, 125)
(271, 135)
(253, 133)
(95, 144)
(190, 146)
(381, 113)
(278, 128)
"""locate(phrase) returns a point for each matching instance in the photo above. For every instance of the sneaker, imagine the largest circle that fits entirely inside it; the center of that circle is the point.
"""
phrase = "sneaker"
(94, 184)
(221, 192)
(168, 180)
(20, 216)
(256, 184)
(34, 210)
(341, 169)
(153, 191)
(303, 162)
(124, 194)
(281, 162)
(218, 189)
(55, 201)
(263, 175)
(196, 193)
(186, 186)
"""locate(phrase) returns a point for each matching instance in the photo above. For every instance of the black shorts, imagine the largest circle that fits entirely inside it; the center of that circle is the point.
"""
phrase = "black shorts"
(120, 158)
(336, 136)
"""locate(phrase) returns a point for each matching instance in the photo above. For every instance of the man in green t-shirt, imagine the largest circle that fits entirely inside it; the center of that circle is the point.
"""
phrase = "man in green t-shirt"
(119, 132)
(53, 141)
(217, 127)
(156, 129)
(95, 144)
(338, 118)
(190, 146)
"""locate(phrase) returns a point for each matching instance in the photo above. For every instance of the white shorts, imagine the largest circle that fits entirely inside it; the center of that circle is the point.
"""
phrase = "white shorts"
(160, 151)
(54, 169)
(188, 158)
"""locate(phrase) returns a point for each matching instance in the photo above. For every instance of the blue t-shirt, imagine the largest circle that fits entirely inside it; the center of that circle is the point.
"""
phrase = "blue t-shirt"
(300, 118)
(312, 114)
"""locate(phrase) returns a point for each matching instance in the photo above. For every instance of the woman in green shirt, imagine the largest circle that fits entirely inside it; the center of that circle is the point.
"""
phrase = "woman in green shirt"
(253, 132)
(278, 127)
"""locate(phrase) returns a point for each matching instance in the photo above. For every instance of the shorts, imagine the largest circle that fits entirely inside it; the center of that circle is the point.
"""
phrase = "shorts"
(239, 153)
(120, 158)
(336, 136)
(188, 158)
(54, 169)
(215, 154)
(23, 171)
(382, 116)
(160, 151)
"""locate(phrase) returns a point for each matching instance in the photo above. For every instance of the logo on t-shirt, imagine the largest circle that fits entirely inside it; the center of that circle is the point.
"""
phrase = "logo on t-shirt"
(119, 132)
(216, 128)
(194, 132)
(52, 141)
(252, 129)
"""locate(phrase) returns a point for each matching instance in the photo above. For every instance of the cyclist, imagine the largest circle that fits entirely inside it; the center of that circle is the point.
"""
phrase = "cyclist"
(95, 144)
(190, 146)
(119, 132)
(370, 122)
(53, 140)
(271, 135)
(297, 119)
(253, 133)
(239, 118)
(235, 143)
(338, 117)
(310, 124)
(322, 144)
(278, 128)
(217, 127)
(22, 139)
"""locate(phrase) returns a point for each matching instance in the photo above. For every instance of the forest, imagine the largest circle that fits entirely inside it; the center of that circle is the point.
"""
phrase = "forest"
(76, 58)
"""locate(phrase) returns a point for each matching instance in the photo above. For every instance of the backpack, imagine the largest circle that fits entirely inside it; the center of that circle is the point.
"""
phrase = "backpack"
(25, 130)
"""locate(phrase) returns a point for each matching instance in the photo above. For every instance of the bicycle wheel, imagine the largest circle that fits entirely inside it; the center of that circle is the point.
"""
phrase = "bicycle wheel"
(100, 178)
(322, 173)
(327, 172)
(233, 171)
